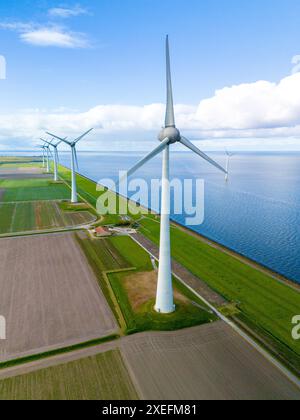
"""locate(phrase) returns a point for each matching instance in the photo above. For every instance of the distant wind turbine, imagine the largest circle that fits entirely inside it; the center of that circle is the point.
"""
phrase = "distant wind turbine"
(74, 161)
(55, 156)
(44, 161)
(47, 154)
(229, 155)
(168, 136)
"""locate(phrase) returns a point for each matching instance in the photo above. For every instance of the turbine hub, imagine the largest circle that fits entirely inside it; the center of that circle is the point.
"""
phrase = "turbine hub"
(171, 133)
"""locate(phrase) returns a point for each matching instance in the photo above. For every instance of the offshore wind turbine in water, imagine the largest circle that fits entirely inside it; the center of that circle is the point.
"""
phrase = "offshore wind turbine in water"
(229, 156)
(74, 161)
(167, 137)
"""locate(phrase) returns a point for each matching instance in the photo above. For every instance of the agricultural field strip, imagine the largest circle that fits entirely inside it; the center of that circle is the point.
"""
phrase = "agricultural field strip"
(111, 261)
(32, 189)
(188, 364)
(100, 377)
(40, 215)
(32, 201)
(54, 314)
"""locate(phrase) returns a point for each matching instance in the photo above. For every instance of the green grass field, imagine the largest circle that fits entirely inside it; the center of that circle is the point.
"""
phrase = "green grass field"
(38, 215)
(19, 160)
(102, 377)
(33, 190)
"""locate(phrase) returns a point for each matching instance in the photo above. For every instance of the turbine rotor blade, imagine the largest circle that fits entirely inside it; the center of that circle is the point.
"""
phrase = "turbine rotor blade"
(195, 149)
(170, 116)
(146, 159)
(83, 135)
(50, 144)
(59, 138)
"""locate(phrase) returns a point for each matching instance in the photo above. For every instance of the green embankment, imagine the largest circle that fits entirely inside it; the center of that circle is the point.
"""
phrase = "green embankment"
(263, 300)
(102, 377)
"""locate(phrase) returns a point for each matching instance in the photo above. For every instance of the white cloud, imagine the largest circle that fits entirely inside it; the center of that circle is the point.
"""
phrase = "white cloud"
(54, 37)
(47, 36)
(67, 12)
(256, 114)
(255, 106)
(16, 26)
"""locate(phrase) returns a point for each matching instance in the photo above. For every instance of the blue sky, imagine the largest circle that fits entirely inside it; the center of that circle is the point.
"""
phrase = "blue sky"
(112, 53)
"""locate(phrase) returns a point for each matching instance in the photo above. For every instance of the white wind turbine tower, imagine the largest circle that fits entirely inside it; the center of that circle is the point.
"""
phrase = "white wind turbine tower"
(47, 155)
(168, 136)
(229, 156)
(55, 157)
(74, 161)
(44, 161)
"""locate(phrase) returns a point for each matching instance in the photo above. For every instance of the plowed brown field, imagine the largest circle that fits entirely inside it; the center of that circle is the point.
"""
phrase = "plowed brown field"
(49, 296)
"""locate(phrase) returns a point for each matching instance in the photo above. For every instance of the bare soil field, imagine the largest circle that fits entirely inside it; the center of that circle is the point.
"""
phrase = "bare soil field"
(49, 296)
(204, 363)
(141, 287)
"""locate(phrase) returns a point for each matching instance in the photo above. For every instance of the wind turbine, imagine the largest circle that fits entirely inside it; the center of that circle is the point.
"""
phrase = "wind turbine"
(48, 154)
(44, 161)
(168, 136)
(229, 155)
(55, 157)
(74, 161)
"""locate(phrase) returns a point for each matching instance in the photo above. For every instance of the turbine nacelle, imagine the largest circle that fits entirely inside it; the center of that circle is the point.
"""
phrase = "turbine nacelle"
(171, 133)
